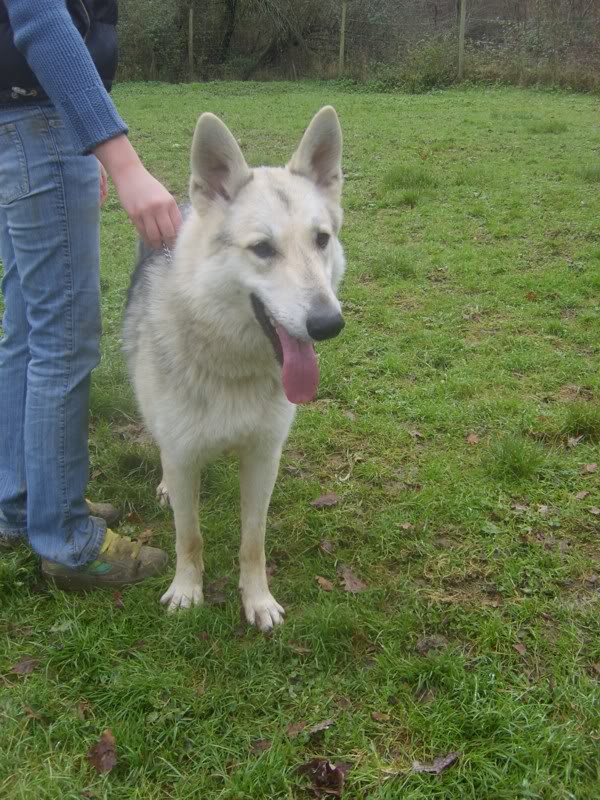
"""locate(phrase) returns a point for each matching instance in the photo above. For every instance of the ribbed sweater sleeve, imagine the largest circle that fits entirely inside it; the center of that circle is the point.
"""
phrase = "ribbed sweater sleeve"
(47, 37)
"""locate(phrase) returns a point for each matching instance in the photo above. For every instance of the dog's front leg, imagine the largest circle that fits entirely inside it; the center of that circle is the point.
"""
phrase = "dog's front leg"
(183, 481)
(258, 471)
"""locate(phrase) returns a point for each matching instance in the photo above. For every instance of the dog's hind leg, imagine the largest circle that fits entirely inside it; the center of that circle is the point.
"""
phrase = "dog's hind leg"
(258, 472)
(183, 480)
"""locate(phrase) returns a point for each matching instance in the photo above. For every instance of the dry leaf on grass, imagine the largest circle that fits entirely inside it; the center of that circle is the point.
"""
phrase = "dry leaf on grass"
(438, 766)
(594, 510)
(118, 600)
(350, 582)
(103, 755)
(379, 716)
(214, 594)
(327, 777)
(25, 666)
(260, 745)
(326, 585)
(472, 438)
(581, 495)
(406, 526)
(327, 547)
(520, 648)
(295, 728)
(589, 469)
(431, 643)
(573, 441)
(326, 500)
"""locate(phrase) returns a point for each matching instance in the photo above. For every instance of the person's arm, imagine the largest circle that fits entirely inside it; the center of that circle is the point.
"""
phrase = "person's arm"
(46, 35)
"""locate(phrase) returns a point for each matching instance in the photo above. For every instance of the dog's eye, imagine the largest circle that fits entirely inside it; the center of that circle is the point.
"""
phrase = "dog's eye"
(263, 249)
(322, 240)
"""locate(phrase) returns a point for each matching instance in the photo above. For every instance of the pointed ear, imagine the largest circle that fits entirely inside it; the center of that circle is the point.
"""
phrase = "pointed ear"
(218, 166)
(319, 156)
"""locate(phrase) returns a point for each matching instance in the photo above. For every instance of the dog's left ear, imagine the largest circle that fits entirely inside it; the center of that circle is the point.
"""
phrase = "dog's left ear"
(319, 156)
(219, 169)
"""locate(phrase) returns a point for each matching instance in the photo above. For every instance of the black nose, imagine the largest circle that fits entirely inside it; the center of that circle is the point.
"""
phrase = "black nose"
(323, 324)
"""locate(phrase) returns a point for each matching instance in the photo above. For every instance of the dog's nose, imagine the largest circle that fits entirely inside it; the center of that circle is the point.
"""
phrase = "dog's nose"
(323, 324)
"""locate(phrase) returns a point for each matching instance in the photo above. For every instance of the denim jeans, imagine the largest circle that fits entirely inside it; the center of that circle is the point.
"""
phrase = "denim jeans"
(49, 247)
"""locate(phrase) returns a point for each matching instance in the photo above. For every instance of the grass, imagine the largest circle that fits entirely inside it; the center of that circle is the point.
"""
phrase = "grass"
(472, 310)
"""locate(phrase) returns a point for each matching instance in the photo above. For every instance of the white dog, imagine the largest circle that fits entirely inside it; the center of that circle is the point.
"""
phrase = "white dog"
(219, 337)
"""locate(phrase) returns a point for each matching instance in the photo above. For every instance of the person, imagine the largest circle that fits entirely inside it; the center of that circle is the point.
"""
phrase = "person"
(60, 133)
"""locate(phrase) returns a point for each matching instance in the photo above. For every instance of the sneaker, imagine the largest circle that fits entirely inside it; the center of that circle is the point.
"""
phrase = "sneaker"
(120, 562)
(105, 511)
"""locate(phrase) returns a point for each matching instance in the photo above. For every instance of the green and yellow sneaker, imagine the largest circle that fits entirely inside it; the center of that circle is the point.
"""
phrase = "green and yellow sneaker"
(120, 562)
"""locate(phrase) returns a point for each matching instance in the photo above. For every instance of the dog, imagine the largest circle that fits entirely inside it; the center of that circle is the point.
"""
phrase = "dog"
(219, 333)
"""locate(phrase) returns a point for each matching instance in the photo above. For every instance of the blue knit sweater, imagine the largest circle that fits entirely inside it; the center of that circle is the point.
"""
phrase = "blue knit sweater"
(44, 32)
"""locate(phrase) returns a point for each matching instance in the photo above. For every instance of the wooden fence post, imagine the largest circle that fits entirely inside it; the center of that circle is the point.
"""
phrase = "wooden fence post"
(461, 39)
(191, 42)
(342, 39)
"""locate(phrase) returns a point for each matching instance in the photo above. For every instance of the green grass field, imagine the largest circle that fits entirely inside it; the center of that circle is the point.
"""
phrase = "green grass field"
(458, 421)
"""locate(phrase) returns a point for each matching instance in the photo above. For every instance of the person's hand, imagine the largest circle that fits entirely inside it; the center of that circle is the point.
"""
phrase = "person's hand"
(150, 207)
(103, 185)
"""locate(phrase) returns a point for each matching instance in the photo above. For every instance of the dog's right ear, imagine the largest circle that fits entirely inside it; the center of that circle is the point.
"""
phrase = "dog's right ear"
(219, 169)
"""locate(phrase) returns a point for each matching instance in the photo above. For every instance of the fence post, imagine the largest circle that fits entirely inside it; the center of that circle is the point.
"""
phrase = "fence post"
(191, 42)
(461, 39)
(342, 39)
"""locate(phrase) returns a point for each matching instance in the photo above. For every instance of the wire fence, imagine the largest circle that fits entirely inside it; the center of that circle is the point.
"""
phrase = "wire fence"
(545, 40)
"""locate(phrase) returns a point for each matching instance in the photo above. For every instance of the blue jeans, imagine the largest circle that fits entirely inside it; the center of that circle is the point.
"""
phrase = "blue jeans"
(49, 247)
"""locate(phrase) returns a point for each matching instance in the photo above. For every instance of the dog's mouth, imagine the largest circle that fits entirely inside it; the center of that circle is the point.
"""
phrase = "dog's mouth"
(297, 357)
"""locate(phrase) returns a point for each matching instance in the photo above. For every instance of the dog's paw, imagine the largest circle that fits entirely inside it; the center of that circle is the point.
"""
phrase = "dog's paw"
(182, 593)
(162, 494)
(262, 610)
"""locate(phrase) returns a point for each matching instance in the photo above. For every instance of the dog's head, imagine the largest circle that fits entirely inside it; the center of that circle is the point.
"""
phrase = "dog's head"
(276, 231)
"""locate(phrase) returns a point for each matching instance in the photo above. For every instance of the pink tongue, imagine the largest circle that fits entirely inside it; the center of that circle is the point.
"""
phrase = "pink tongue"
(300, 369)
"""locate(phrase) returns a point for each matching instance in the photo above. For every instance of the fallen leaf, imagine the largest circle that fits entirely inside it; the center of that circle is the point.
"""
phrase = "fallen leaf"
(472, 438)
(295, 728)
(589, 469)
(416, 434)
(344, 702)
(581, 495)
(31, 714)
(594, 510)
(573, 441)
(213, 592)
(301, 649)
(327, 547)
(406, 526)
(531, 296)
(260, 745)
(320, 726)
(83, 710)
(378, 716)
(326, 585)
(326, 500)
(25, 666)
(428, 643)
(145, 535)
(351, 583)
(327, 777)
(103, 755)
(440, 764)
(118, 600)
(543, 510)
(350, 415)
(596, 667)
(520, 507)
(520, 648)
